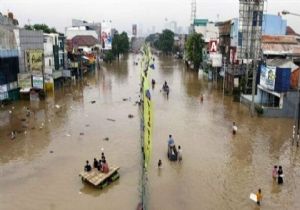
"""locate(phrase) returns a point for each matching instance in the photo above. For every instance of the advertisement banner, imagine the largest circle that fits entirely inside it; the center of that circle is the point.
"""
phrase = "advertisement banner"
(24, 81)
(106, 36)
(213, 46)
(216, 60)
(37, 81)
(3, 88)
(233, 55)
(34, 60)
(268, 77)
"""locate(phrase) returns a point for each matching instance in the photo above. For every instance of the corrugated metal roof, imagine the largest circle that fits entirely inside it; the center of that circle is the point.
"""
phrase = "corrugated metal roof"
(280, 49)
(287, 39)
(84, 40)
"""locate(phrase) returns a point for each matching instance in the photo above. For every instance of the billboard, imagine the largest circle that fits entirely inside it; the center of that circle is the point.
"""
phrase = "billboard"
(106, 36)
(34, 60)
(38, 81)
(233, 55)
(134, 29)
(268, 77)
(24, 81)
(213, 46)
(216, 59)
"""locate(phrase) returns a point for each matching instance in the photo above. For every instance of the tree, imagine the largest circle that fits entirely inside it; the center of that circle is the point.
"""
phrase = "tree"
(41, 27)
(166, 41)
(153, 39)
(28, 27)
(120, 44)
(193, 48)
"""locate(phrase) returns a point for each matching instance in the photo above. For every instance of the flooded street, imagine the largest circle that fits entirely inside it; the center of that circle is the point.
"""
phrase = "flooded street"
(39, 169)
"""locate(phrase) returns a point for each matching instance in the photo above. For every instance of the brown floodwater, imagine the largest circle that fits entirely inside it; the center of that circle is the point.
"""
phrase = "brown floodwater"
(39, 169)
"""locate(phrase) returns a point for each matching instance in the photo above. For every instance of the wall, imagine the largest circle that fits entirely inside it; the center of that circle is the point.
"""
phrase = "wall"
(274, 25)
(27, 40)
(209, 31)
(7, 40)
(288, 109)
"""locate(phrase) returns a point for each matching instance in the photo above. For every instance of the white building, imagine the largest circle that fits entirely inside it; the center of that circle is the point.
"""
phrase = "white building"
(71, 32)
(49, 41)
(208, 29)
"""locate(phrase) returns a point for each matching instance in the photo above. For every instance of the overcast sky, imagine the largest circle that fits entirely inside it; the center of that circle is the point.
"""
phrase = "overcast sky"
(123, 13)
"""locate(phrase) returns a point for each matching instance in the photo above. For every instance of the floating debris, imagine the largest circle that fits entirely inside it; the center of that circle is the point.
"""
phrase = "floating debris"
(125, 99)
(87, 125)
(106, 139)
(57, 106)
(92, 102)
(51, 151)
(81, 134)
(23, 119)
(109, 119)
(68, 135)
(9, 111)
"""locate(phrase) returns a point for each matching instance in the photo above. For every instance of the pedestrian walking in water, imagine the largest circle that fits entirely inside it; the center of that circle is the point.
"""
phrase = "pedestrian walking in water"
(259, 197)
(280, 175)
(274, 173)
(179, 153)
(95, 163)
(159, 164)
(13, 135)
(201, 98)
(153, 83)
(234, 128)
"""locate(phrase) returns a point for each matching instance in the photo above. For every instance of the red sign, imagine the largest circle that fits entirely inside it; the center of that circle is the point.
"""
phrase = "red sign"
(233, 55)
(213, 46)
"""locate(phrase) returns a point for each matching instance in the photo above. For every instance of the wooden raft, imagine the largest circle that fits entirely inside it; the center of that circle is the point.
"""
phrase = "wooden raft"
(96, 177)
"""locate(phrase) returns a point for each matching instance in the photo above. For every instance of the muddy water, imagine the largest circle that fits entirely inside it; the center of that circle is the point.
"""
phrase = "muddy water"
(39, 169)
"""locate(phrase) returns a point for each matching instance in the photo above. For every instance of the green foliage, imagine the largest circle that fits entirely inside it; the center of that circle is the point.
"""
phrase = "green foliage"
(193, 47)
(109, 56)
(41, 27)
(120, 44)
(166, 41)
(28, 27)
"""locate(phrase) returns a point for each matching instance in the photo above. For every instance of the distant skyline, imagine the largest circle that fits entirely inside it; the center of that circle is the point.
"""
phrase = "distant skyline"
(124, 13)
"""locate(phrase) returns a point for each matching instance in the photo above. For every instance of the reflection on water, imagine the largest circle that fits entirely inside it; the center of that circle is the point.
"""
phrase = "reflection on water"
(218, 170)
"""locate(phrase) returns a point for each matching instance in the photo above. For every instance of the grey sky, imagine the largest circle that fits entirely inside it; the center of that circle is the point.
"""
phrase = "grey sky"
(124, 13)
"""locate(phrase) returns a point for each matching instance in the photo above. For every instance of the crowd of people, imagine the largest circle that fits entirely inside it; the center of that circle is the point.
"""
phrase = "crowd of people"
(101, 165)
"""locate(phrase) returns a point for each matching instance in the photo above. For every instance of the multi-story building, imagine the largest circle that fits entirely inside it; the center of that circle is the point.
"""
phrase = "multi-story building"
(9, 64)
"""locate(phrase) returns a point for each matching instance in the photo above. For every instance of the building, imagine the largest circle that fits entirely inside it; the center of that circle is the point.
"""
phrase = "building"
(208, 29)
(273, 25)
(9, 63)
(277, 94)
(84, 43)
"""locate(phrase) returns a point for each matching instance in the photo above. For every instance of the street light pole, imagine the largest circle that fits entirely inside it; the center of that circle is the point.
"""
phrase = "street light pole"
(297, 106)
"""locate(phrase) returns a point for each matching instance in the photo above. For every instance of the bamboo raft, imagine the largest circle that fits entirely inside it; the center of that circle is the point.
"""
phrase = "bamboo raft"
(99, 179)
